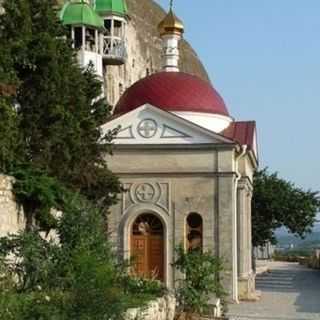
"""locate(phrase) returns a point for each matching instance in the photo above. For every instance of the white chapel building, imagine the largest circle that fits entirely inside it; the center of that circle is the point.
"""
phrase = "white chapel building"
(186, 164)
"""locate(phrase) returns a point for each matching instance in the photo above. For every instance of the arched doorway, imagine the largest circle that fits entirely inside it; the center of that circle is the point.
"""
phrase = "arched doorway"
(147, 247)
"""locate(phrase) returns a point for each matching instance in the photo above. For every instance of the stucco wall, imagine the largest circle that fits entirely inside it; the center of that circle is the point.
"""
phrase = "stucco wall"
(11, 215)
(149, 159)
(184, 181)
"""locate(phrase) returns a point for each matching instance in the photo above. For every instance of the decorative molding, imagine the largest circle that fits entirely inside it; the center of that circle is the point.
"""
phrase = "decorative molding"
(127, 200)
(145, 192)
(151, 126)
(147, 128)
(246, 184)
(169, 133)
(156, 193)
(129, 132)
(164, 200)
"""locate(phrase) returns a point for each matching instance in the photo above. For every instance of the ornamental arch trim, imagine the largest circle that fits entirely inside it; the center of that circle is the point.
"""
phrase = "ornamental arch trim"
(126, 226)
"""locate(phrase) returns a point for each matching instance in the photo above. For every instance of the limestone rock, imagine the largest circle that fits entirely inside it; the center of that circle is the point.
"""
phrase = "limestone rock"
(11, 214)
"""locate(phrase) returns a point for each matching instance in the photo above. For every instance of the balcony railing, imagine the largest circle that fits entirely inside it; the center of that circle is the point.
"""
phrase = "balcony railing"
(114, 50)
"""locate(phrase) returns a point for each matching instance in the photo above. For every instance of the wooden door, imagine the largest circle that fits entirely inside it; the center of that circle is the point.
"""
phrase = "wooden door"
(139, 252)
(147, 247)
(155, 257)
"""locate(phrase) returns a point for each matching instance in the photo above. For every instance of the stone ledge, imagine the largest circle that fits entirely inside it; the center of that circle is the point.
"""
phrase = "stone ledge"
(160, 309)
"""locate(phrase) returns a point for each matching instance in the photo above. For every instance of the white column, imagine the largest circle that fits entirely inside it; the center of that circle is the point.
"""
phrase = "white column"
(170, 53)
(112, 35)
(72, 36)
(83, 38)
(243, 254)
(101, 43)
(96, 41)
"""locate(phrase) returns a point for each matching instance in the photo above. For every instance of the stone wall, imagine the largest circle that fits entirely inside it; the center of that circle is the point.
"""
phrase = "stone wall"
(11, 215)
(185, 181)
(160, 309)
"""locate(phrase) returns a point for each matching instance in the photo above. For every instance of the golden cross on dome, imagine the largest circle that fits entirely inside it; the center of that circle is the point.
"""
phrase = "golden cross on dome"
(171, 4)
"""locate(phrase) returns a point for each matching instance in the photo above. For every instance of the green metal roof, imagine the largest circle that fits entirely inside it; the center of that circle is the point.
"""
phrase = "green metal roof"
(79, 12)
(113, 6)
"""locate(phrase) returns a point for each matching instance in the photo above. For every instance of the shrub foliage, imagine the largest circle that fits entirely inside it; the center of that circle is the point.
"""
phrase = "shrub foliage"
(78, 277)
(201, 280)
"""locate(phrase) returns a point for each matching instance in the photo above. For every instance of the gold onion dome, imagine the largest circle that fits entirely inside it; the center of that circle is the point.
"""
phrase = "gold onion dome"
(171, 24)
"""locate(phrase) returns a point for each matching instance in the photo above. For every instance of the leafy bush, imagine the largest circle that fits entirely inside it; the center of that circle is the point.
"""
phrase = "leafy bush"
(201, 280)
(142, 289)
(34, 305)
(38, 193)
(78, 278)
(32, 260)
(96, 294)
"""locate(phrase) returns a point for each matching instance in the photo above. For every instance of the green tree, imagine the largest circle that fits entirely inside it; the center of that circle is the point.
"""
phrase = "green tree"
(10, 137)
(59, 105)
(9, 133)
(279, 203)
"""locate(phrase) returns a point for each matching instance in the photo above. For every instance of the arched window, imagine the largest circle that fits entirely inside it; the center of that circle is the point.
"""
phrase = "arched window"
(194, 231)
(147, 224)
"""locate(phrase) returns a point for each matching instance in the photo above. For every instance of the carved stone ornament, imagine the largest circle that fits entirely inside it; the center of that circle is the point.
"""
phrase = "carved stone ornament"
(156, 193)
(147, 128)
(145, 192)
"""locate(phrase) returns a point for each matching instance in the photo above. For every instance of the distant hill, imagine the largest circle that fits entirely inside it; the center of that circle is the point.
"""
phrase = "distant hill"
(312, 240)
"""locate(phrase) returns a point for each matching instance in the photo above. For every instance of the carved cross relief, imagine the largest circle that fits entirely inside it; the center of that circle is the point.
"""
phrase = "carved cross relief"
(147, 128)
(145, 192)
(156, 193)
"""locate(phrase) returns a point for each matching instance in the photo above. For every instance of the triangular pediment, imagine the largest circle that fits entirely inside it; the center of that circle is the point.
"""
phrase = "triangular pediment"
(151, 125)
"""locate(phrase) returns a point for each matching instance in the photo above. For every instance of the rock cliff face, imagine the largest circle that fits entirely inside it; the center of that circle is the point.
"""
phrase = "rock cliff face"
(144, 51)
(11, 215)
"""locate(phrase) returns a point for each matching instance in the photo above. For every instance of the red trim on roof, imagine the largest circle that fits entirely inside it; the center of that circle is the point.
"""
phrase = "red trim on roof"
(242, 132)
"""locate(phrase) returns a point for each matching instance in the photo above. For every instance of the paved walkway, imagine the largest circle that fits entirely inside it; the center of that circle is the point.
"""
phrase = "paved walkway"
(289, 292)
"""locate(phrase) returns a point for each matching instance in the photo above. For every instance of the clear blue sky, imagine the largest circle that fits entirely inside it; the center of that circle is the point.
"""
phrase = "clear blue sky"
(264, 59)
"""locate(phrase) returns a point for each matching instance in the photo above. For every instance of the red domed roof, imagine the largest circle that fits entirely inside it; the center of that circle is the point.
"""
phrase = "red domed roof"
(173, 91)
